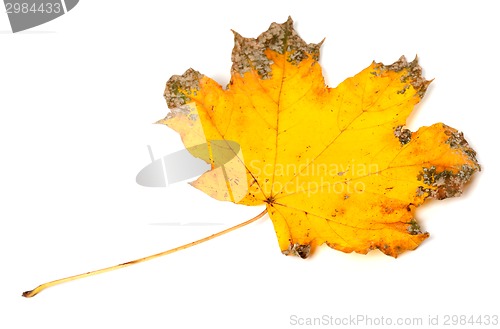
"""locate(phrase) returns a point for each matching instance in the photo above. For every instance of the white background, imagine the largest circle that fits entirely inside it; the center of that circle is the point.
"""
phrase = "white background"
(78, 97)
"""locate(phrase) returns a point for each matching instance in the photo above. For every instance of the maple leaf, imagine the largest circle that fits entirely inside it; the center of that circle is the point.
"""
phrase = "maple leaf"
(332, 165)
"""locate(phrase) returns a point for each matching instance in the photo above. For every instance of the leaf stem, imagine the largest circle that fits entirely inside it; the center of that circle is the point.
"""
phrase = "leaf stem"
(46, 285)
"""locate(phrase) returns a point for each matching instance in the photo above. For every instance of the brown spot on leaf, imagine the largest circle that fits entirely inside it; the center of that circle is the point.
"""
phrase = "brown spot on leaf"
(179, 87)
(403, 134)
(444, 184)
(301, 250)
(414, 228)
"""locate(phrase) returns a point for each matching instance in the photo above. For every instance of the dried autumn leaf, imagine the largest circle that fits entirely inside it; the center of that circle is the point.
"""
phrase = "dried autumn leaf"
(332, 165)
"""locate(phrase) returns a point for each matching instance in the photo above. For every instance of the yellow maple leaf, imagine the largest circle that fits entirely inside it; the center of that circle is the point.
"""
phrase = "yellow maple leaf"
(332, 165)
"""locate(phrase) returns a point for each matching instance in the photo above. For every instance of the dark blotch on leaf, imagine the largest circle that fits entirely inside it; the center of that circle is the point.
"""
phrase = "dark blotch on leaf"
(403, 134)
(301, 250)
